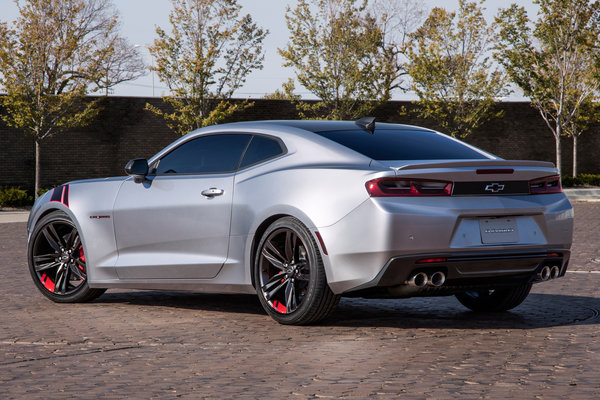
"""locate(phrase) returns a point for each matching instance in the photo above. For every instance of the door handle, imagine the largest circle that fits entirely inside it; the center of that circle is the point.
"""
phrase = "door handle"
(212, 192)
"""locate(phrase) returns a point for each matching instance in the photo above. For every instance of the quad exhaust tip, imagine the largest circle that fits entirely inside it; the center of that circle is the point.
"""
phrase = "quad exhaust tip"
(549, 273)
(437, 278)
(421, 279)
(544, 274)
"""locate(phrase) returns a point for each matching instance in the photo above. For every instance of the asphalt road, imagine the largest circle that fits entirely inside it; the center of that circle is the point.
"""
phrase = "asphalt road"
(146, 344)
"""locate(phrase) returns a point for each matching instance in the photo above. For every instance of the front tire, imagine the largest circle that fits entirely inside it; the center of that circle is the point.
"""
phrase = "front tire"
(495, 300)
(57, 262)
(289, 275)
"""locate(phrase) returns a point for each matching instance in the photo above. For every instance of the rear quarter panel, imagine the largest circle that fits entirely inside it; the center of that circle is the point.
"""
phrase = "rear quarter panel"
(299, 184)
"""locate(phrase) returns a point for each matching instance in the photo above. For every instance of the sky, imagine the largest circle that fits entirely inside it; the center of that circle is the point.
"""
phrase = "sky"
(139, 19)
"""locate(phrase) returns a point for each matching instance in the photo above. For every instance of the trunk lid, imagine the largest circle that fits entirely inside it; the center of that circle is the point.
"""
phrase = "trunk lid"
(477, 177)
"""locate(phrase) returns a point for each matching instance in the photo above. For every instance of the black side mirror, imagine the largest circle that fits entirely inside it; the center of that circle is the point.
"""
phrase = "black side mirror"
(138, 168)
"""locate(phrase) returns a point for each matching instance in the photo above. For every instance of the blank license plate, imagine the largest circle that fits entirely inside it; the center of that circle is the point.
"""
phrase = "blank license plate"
(498, 230)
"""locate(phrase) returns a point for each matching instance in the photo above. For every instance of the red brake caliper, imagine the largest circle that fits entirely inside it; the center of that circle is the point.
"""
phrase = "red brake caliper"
(48, 284)
(81, 257)
(279, 307)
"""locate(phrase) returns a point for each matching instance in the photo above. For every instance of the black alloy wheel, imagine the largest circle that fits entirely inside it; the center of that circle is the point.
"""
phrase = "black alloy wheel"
(289, 275)
(57, 260)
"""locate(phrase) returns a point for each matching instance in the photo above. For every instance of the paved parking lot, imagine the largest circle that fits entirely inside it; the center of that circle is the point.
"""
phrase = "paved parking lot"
(144, 344)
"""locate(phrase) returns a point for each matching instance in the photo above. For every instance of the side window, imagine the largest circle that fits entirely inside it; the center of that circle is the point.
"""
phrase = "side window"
(261, 148)
(206, 154)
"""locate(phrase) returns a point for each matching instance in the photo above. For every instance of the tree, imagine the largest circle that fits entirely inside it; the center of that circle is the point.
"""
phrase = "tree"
(397, 21)
(285, 94)
(339, 53)
(449, 63)
(207, 56)
(121, 63)
(588, 112)
(555, 62)
(52, 56)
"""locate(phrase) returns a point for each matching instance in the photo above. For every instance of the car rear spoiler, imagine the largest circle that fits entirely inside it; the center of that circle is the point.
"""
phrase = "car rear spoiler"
(397, 165)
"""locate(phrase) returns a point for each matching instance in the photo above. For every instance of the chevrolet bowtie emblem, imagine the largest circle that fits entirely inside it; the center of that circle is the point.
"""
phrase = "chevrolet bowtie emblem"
(494, 188)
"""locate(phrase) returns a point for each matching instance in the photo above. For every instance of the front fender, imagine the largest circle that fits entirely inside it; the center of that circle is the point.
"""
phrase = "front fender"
(89, 204)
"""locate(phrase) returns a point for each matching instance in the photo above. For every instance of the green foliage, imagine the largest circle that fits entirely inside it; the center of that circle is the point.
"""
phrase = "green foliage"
(555, 60)
(55, 53)
(336, 49)
(277, 95)
(44, 93)
(451, 73)
(14, 197)
(588, 112)
(581, 180)
(41, 191)
(205, 58)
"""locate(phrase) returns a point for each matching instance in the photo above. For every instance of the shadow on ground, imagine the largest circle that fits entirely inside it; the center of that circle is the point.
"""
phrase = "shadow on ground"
(538, 311)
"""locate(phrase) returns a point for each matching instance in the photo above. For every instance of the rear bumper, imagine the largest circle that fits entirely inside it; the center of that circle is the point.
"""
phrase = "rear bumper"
(464, 271)
(378, 243)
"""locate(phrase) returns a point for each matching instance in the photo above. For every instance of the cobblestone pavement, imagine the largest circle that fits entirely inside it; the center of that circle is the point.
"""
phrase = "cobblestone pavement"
(145, 344)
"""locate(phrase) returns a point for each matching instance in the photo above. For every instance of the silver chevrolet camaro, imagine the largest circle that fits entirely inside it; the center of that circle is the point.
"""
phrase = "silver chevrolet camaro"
(304, 212)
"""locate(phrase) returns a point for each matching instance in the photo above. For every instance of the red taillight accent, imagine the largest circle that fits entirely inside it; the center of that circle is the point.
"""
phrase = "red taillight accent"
(321, 242)
(490, 171)
(552, 255)
(431, 260)
(393, 187)
(549, 184)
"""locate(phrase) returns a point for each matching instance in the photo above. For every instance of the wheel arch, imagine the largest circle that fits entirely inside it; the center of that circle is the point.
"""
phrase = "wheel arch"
(46, 212)
(49, 208)
(266, 222)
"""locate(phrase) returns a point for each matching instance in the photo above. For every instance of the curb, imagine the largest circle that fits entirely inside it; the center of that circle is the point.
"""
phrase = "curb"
(589, 194)
(7, 217)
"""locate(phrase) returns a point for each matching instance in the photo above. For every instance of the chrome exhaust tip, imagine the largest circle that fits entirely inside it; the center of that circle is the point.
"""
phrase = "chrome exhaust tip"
(554, 272)
(544, 274)
(437, 278)
(419, 279)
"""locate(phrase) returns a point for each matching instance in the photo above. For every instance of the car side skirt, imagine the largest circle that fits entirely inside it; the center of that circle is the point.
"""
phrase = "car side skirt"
(194, 285)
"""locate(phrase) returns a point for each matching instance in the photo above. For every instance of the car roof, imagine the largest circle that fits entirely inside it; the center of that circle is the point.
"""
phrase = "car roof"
(325, 126)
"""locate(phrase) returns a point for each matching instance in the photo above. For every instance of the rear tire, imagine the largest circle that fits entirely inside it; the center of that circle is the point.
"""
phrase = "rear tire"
(57, 262)
(495, 300)
(289, 275)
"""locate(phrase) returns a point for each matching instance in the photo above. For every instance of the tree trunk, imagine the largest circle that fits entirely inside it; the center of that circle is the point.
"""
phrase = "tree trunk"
(37, 169)
(558, 154)
(574, 156)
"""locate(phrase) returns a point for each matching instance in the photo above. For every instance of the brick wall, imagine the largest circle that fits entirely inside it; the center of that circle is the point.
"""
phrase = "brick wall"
(124, 130)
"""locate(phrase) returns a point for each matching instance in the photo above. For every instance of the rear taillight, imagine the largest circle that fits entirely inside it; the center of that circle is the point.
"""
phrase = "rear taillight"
(392, 187)
(549, 184)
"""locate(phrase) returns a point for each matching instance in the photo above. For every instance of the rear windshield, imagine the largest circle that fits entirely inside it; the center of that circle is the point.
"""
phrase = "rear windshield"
(403, 145)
